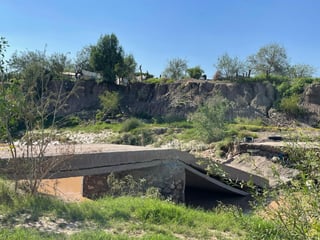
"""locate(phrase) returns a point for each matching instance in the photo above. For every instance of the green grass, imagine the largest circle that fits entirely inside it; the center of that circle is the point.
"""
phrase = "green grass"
(29, 234)
(246, 124)
(159, 81)
(126, 218)
(94, 127)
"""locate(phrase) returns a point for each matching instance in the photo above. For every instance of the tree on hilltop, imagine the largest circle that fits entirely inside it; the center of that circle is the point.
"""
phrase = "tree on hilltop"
(195, 72)
(301, 70)
(270, 59)
(83, 59)
(108, 58)
(229, 67)
(126, 68)
(176, 69)
(105, 56)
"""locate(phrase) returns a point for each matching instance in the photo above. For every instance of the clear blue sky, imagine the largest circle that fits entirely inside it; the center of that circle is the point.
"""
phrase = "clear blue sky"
(155, 31)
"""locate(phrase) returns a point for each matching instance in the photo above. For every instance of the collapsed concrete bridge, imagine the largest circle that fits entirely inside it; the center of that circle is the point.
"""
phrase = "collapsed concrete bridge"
(175, 173)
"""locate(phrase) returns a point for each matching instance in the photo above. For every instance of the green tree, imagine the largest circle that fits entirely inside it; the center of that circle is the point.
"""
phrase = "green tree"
(36, 70)
(83, 59)
(3, 47)
(105, 56)
(229, 67)
(58, 63)
(176, 69)
(270, 59)
(301, 71)
(126, 68)
(195, 72)
(28, 103)
(31, 63)
(210, 118)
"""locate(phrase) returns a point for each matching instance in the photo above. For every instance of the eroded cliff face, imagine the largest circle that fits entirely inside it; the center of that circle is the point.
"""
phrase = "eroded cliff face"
(178, 99)
(181, 98)
(311, 102)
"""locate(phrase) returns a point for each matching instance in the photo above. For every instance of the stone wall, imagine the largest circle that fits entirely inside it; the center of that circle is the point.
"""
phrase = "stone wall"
(168, 177)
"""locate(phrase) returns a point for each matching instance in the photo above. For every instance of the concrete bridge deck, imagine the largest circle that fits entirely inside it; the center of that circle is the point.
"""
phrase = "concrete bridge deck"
(99, 159)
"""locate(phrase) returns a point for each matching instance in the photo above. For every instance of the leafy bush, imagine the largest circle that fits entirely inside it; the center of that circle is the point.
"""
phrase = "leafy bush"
(293, 87)
(69, 121)
(125, 186)
(131, 124)
(275, 79)
(210, 119)
(110, 102)
(296, 211)
(222, 147)
(290, 105)
(137, 137)
(7, 195)
(130, 186)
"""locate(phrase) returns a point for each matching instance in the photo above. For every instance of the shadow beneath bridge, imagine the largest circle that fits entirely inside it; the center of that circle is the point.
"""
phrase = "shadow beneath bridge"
(206, 192)
(208, 199)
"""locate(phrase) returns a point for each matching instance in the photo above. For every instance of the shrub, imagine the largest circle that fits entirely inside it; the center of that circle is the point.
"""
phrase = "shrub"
(125, 186)
(275, 79)
(131, 124)
(210, 119)
(110, 102)
(7, 196)
(294, 87)
(69, 121)
(138, 137)
(290, 105)
(296, 208)
(223, 147)
(130, 186)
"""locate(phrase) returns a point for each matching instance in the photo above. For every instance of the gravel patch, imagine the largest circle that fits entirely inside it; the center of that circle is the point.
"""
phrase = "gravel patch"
(47, 224)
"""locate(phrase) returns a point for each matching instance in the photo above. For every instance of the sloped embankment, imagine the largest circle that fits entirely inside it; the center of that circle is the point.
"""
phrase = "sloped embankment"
(251, 99)
(181, 98)
(177, 99)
